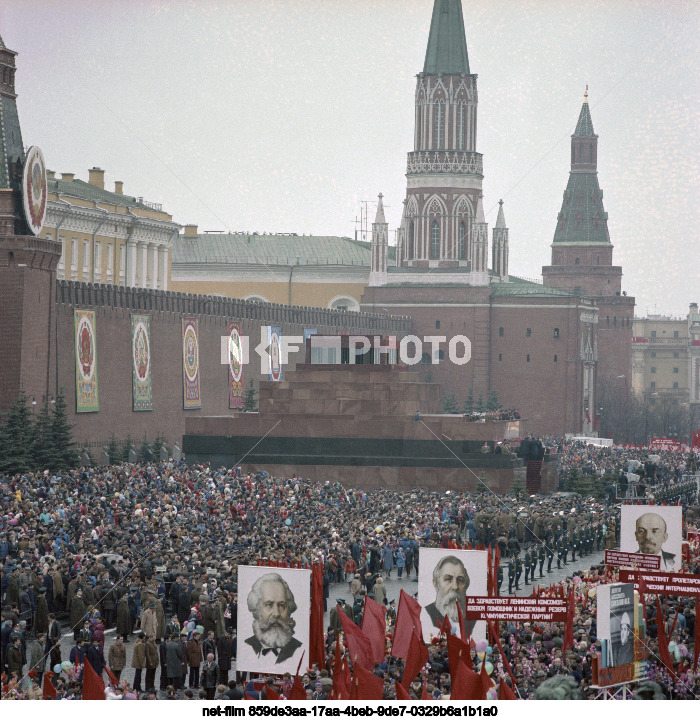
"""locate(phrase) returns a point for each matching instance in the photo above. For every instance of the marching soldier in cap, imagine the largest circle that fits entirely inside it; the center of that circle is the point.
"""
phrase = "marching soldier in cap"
(540, 557)
(527, 563)
(511, 576)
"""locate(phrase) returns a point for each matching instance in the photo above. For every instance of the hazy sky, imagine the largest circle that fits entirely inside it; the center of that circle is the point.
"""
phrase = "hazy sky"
(283, 115)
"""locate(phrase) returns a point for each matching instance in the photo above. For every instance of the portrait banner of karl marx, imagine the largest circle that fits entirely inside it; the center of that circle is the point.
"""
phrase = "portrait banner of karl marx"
(445, 578)
(273, 618)
(655, 531)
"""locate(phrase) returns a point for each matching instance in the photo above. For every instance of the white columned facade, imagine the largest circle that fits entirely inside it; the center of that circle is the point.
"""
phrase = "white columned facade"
(163, 267)
(131, 263)
(153, 265)
(142, 281)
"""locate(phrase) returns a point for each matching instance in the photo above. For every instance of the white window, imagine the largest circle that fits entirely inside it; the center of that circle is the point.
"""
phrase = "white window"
(122, 262)
(62, 261)
(110, 260)
(98, 262)
(73, 254)
(86, 259)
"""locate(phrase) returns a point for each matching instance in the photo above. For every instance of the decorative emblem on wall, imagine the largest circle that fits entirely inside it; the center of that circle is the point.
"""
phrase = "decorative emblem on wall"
(34, 190)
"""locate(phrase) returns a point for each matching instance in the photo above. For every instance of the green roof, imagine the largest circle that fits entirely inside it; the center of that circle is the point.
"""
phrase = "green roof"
(447, 44)
(582, 219)
(245, 249)
(520, 286)
(584, 126)
(11, 148)
(81, 189)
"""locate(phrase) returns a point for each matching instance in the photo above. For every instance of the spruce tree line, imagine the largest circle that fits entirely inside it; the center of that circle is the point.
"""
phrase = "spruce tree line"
(32, 442)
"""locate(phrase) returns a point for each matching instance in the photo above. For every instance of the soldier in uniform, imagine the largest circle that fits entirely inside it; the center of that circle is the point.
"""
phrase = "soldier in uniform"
(518, 571)
(550, 554)
(540, 557)
(533, 563)
(511, 576)
(527, 563)
(573, 542)
(500, 578)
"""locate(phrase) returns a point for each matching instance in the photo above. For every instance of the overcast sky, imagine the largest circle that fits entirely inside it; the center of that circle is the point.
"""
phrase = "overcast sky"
(283, 115)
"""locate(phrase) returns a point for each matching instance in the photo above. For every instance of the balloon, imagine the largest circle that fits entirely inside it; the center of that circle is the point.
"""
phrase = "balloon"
(288, 522)
(489, 668)
(66, 665)
(481, 655)
(489, 649)
(199, 629)
(481, 646)
(57, 668)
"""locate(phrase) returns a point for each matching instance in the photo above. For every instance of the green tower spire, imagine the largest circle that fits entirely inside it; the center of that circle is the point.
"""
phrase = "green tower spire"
(447, 44)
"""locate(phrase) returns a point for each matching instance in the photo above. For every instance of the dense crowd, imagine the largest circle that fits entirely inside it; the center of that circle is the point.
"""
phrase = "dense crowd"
(152, 551)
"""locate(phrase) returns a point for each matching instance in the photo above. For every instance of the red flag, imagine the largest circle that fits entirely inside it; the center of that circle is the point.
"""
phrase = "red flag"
(569, 628)
(485, 679)
(462, 625)
(424, 696)
(407, 621)
(457, 651)
(696, 651)
(272, 695)
(374, 627)
(317, 650)
(93, 685)
(359, 645)
(401, 693)
(466, 685)
(298, 692)
(506, 665)
(445, 626)
(366, 686)
(663, 641)
(50, 690)
(415, 660)
(113, 680)
(505, 692)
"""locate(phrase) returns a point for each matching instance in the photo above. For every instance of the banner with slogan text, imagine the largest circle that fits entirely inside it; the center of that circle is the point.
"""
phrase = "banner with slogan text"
(141, 384)
(190, 364)
(637, 560)
(670, 584)
(664, 444)
(86, 387)
(510, 608)
(236, 386)
(274, 351)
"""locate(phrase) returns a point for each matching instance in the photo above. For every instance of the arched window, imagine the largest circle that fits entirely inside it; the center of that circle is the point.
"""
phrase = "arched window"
(577, 261)
(461, 127)
(411, 241)
(500, 332)
(460, 240)
(344, 302)
(425, 359)
(556, 332)
(435, 240)
(438, 124)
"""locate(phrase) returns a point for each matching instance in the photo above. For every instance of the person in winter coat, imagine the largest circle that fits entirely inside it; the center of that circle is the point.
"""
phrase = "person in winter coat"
(95, 656)
(380, 592)
(210, 676)
(149, 621)
(224, 648)
(41, 615)
(77, 612)
(117, 657)
(36, 655)
(123, 618)
(138, 660)
(400, 563)
(14, 658)
(388, 559)
(194, 659)
(152, 661)
(173, 662)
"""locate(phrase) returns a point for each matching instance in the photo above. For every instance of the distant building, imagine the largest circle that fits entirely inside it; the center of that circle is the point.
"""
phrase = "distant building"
(106, 236)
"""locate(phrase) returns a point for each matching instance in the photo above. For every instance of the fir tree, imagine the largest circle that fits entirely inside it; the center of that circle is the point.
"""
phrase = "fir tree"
(449, 403)
(126, 447)
(250, 404)
(157, 445)
(18, 432)
(43, 452)
(469, 403)
(480, 407)
(145, 455)
(492, 403)
(62, 444)
(429, 377)
(113, 450)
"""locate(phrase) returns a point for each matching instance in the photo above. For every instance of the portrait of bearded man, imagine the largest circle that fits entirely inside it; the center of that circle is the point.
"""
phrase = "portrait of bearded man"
(271, 602)
(450, 581)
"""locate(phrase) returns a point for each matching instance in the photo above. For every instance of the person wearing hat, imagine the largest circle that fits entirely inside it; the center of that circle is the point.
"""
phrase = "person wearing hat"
(41, 615)
(77, 612)
(623, 649)
(117, 657)
(194, 659)
(335, 615)
(149, 620)
(138, 660)
(225, 649)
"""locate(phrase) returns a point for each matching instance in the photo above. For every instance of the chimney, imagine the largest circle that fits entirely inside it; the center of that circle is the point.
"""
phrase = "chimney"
(693, 307)
(119, 187)
(191, 231)
(96, 177)
(50, 174)
(68, 177)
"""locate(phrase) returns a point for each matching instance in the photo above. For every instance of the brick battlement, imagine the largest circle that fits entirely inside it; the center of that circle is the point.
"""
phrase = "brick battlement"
(145, 299)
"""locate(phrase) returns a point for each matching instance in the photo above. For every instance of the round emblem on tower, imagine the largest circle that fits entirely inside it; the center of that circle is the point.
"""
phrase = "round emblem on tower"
(34, 190)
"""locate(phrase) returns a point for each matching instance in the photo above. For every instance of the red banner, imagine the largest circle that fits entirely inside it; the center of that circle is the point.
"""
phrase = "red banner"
(665, 444)
(672, 584)
(638, 560)
(510, 608)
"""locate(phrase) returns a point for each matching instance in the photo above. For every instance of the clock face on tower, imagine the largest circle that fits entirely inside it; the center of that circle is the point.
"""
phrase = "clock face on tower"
(34, 190)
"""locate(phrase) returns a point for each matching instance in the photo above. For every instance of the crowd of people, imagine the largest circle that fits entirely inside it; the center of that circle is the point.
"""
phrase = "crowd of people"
(152, 551)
